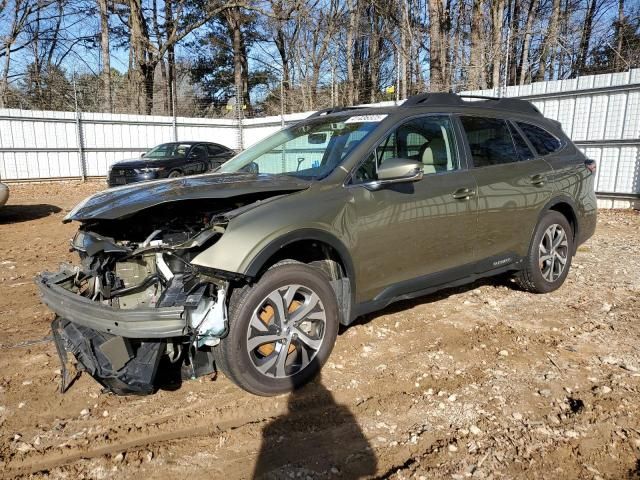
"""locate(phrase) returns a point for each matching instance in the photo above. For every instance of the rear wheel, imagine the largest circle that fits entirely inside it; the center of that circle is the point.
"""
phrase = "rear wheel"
(281, 330)
(550, 254)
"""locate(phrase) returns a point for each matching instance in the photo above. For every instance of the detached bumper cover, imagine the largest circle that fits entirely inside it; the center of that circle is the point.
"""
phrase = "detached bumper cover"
(147, 323)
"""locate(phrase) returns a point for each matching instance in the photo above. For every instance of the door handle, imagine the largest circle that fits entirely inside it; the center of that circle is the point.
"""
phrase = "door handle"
(463, 194)
(538, 180)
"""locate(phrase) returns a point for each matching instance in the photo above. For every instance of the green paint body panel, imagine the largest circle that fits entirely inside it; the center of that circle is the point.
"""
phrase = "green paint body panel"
(398, 234)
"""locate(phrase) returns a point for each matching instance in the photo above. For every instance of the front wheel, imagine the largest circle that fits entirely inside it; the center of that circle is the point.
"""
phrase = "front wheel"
(550, 253)
(281, 330)
(175, 174)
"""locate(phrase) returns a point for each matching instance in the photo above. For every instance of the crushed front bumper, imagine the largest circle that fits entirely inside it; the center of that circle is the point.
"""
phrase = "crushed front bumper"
(124, 349)
(158, 323)
(120, 348)
(123, 366)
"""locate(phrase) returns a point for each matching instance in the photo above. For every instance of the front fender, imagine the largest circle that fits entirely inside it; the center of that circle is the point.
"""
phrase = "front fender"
(254, 236)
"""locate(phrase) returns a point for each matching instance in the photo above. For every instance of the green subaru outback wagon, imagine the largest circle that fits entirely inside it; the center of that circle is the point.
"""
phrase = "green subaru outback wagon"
(251, 269)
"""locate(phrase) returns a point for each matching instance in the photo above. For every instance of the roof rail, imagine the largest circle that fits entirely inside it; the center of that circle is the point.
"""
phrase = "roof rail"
(481, 97)
(435, 98)
(452, 99)
(328, 111)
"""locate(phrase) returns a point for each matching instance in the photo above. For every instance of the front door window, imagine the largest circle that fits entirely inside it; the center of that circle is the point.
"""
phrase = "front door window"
(428, 140)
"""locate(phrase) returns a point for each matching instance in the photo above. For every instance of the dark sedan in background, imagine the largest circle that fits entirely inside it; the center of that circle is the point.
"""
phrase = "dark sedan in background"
(170, 160)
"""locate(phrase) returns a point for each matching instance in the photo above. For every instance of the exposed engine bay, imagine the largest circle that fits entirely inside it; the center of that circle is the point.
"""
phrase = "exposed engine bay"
(135, 305)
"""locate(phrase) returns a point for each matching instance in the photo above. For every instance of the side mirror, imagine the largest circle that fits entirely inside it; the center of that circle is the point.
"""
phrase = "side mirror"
(317, 138)
(142, 154)
(396, 170)
(251, 168)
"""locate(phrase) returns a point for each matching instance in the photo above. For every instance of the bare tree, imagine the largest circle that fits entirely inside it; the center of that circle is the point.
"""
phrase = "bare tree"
(585, 38)
(549, 44)
(528, 33)
(106, 55)
(476, 61)
(497, 14)
(436, 60)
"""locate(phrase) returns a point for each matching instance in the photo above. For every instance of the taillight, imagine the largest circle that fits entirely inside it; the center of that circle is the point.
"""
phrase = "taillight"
(590, 164)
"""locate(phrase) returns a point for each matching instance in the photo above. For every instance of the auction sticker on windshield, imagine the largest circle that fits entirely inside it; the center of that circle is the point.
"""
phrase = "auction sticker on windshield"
(365, 118)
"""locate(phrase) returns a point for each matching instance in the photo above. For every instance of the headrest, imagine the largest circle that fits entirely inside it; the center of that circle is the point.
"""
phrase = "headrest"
(435, 153)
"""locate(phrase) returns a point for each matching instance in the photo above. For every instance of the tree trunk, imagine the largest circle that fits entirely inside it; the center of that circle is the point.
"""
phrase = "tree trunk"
(436, 71)
(233, 17)
(405, 48)
(581, 62)
(144, 66)
(351, 33)
(171, 56)
(528, 32)
(374, 54)
(619, 34)
(148, 74)
(476, 61)
(173, 83)
(281, 45)
(107, 102)
(4, 86)
(457, 54)
(549, 45)
(513, 45)
(497, 12)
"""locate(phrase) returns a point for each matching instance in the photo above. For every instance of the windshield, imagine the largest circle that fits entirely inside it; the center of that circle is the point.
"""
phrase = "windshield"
(309, 151)
(168, 150)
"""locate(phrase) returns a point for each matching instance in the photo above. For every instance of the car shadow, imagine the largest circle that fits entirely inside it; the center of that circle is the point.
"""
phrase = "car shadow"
(23, 213)
(504, 279)
(316, 437)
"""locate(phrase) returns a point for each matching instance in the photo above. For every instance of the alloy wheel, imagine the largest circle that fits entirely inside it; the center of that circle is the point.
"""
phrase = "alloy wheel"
(553, 252)
(286, 331)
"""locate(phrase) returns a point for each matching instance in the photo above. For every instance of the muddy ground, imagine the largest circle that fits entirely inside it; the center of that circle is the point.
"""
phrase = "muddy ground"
(484, 381)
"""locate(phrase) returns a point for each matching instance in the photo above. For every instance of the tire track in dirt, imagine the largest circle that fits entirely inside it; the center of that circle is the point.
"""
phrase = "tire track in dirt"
(59, 460)
(306, 405)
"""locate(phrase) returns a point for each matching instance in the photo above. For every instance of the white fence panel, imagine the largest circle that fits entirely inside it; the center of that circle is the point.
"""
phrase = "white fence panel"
(601, 113)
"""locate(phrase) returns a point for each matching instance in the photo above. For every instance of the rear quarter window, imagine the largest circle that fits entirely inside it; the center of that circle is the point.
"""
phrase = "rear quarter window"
(489, 140)
(543, 141)
(521, 146)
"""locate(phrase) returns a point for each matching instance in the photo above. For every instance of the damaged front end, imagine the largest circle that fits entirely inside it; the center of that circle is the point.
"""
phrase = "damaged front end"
(135, 313)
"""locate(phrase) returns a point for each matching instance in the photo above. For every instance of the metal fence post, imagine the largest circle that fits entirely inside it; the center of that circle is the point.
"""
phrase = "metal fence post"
(239, 112)
(80, 135)
(174, 115)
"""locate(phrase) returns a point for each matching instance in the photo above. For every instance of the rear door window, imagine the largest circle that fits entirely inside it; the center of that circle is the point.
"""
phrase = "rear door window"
(199, 152)
(521, 145)
(544, 142)
(489, 140)
(214, 150)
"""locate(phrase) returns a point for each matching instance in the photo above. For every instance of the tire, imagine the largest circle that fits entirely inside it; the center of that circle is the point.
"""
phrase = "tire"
(263, 368)
(549, 274)
(175, 174)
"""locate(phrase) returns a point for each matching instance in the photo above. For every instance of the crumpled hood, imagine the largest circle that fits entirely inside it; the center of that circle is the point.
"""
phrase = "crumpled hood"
(122, 201)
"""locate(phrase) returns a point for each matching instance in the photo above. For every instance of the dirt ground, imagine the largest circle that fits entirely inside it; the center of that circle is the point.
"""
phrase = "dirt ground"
(483, 381)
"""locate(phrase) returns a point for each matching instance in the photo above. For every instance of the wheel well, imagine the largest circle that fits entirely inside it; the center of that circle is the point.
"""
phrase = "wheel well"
(567, 210)
(313, 252)
(323, 256)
